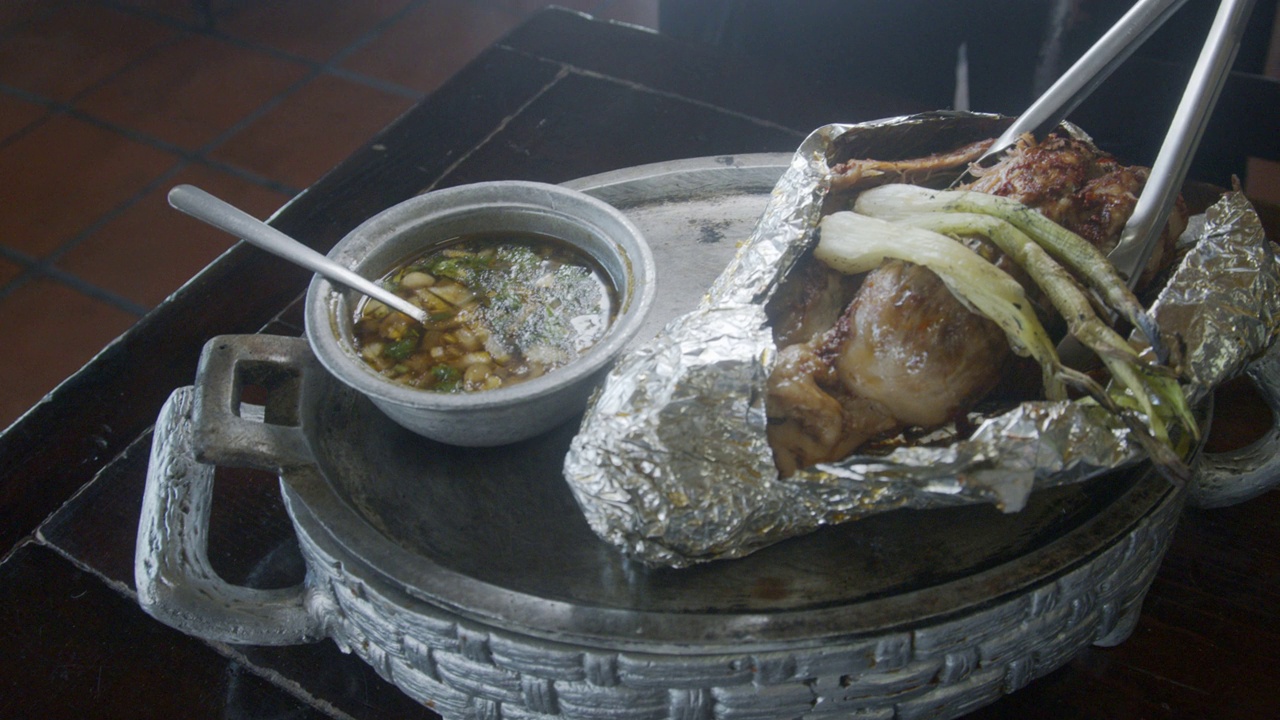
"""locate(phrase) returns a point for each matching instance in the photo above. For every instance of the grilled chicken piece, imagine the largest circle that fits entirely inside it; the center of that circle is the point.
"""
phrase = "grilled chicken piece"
(909, 345)
(1086, 191)
(822, 420)
(810, 302)
(862, 174)
(905, 352)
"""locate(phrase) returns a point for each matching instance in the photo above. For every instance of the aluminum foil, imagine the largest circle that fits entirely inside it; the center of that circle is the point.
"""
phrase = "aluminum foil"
(672, 463)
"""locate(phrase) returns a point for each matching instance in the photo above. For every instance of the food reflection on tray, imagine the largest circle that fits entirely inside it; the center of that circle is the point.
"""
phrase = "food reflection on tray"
(883, 341)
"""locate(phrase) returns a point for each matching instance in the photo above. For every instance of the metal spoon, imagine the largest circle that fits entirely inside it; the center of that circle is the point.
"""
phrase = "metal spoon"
(205, 207)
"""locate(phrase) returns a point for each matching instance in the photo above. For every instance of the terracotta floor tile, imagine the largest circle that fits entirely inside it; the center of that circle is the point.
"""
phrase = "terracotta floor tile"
(15, 11)
(49, 332)
(312, 130)
(8, 271)
(431, 43)
(121, 63)
(171, 246)
(16, 114)
(69, 50)
(315, 29)
(190, 92)
(64, 175)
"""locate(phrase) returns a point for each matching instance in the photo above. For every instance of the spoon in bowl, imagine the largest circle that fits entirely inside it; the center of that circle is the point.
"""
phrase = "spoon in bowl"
(205, 207)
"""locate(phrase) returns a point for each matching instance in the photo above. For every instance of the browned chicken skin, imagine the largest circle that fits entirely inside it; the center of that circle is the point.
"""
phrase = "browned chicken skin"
(1082, 189)
(905, 353)
(909, 345)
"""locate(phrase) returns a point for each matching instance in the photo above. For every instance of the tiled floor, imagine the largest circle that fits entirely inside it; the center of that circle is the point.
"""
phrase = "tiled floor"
(106, 104)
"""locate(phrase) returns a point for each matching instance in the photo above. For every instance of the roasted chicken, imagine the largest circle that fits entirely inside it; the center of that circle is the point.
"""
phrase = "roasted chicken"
(900, 351)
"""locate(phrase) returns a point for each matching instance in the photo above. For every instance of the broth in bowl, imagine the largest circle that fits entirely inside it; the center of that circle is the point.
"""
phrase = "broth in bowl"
(598, 237)
(502, 308)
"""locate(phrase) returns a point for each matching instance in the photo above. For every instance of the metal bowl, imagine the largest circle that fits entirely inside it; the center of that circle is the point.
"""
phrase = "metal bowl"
(415, 226)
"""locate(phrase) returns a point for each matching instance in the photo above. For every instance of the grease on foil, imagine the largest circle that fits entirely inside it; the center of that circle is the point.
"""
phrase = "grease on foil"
(672, 464)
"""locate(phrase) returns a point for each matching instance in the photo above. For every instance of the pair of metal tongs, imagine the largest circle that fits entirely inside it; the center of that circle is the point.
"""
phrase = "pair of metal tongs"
(1169, 171)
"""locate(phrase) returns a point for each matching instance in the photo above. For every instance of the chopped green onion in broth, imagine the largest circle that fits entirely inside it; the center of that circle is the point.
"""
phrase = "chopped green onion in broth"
(501, 309)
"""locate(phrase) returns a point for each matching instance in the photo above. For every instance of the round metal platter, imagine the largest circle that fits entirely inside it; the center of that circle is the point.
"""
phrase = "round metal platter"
(496, 536)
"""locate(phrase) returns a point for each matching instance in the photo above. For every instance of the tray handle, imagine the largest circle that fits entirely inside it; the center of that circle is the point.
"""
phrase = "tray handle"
(175, 581)
(226, 430)
(1228, 478)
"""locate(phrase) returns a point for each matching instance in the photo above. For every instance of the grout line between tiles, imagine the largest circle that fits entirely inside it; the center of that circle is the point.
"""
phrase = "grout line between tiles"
(33, 268)
(194, 156)
(201, 154)
(329, 65)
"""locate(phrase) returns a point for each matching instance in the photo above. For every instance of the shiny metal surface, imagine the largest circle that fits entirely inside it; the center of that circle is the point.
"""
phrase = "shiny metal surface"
(939, 667)
(1087, 73)
(205, 207)
(498, 537)
(1169, 170)
(397, 234)
(650, 483)
(470, 578)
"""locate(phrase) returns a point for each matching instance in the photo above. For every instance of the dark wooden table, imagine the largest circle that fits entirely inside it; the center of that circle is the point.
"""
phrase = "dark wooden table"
(560, 98)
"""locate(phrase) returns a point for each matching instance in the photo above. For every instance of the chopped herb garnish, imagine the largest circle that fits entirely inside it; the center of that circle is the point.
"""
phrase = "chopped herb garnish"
(403, 348)
(500, 309)
(445, 378)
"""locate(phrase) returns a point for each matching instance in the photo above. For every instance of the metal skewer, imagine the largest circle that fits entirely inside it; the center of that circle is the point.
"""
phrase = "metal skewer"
(1168, 172)
(1138, 239)
(1087, 73)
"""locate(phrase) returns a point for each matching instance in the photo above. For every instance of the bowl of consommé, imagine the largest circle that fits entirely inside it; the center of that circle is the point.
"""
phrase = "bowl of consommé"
(530, 291)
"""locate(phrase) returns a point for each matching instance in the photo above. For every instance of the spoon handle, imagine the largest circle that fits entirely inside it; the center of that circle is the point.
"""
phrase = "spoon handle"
(205, 207)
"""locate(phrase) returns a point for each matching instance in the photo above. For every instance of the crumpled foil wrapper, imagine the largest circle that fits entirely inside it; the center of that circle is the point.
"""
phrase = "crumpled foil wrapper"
(672, 463)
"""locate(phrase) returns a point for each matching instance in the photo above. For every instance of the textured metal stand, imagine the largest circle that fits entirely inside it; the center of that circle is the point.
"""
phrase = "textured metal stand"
(471, 581)
(468, 669)
(943, 670)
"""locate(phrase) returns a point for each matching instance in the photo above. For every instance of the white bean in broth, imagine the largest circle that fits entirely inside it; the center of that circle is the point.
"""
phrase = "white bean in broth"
(502, 309)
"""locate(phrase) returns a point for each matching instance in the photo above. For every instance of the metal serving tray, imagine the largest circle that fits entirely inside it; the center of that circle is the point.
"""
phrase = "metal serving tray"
(470, 579)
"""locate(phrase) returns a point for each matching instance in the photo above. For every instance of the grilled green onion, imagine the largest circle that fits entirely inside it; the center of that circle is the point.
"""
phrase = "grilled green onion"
(1121, 359)
(896, 201)
(853, 243)
(918, 225)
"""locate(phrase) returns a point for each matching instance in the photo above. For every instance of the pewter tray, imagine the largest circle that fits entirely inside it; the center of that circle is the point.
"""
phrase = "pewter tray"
(497, 535)
(470, 578)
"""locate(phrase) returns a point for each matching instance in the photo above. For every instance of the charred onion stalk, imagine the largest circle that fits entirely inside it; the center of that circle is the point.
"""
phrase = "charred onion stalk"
(853, 242)
(891, 202)
(1122, 360)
